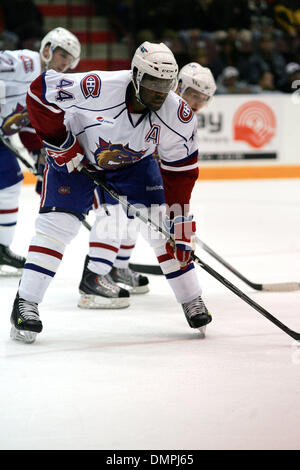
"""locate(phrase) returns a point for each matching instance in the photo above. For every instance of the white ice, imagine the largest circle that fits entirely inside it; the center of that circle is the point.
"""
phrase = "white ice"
(140, 378)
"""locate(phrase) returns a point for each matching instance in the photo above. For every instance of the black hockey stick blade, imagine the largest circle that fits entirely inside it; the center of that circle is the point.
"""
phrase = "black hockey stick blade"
(275, 287)
(146, 268)
(246, 299)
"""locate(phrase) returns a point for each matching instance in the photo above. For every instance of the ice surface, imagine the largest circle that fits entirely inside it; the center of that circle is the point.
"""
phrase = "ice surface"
(140, 378)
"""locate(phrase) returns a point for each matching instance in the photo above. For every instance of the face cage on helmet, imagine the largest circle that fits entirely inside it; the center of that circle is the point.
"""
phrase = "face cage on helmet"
(196, 95)
(184, 86)
(139, 78)
(160, 85)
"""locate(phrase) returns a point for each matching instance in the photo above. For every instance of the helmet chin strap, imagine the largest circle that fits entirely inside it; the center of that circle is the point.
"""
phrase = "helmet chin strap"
(46, 60)
(137, 93)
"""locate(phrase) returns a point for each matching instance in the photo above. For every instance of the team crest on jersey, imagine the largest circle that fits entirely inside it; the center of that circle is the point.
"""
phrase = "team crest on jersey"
(113, 156)
(64, 190)
(15, 121)
(27, 63)
(91, 85)
(153, 134)
(184, 112)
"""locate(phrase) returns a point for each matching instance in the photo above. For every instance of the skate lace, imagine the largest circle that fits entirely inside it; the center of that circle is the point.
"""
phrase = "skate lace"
(28, 310)
(195, 307)
(108, 283)
(129, 277)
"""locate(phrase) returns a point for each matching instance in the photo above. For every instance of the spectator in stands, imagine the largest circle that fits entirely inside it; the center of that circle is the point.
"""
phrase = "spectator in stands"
(263, 60)
(228, 82)
(265, 84)
(292, 74)
(228, 55)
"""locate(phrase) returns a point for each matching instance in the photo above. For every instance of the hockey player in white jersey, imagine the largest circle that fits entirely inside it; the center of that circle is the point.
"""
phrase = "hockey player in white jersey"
(113, 122)
(196, 85)
(60, 50)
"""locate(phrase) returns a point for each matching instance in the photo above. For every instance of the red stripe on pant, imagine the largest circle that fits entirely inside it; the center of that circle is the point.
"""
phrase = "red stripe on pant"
(46, 251)
(8, 211)
(104, 245)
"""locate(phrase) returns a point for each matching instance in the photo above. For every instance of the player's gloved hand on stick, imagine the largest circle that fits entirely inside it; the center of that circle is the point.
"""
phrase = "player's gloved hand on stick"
(67, 157)
(182, 230)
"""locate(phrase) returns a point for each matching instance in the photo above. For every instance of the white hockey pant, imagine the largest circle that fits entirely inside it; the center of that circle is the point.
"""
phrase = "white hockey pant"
(54, 231)
(112, 240)
(185, 284)
(9, 202)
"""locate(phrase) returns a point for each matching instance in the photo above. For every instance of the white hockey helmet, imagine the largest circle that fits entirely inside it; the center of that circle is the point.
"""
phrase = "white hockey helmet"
(61, 37)
(193, 75)
(156, 60)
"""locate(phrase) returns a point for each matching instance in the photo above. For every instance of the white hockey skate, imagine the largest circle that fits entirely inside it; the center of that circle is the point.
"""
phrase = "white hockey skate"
(130, 280)
(197, 315)
(101, 292)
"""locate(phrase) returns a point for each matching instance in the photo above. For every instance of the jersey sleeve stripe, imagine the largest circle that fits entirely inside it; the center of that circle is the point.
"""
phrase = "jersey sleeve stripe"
(51, 108)
(189, 159)
(180, 168)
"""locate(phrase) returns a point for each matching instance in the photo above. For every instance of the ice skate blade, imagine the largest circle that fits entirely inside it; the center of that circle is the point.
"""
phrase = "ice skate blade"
(96, 301)
(22, 335)
(10, 271)
(202, 331)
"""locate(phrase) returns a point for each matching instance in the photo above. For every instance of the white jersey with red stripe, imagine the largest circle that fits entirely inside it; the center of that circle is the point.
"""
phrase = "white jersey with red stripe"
(17, 70)
(95, 107)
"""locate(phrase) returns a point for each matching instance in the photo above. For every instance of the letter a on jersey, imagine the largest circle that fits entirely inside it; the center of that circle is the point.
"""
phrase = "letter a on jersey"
(153, 134)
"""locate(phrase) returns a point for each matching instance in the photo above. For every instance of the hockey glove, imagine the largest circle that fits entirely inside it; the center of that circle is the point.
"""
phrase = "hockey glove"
(67, 157)
(182, 230)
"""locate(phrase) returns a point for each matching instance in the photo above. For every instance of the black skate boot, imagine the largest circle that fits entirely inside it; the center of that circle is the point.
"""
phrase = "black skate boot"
(25, 320)
(134, 282)
(197, 314)
(10, 263)
(100, 291)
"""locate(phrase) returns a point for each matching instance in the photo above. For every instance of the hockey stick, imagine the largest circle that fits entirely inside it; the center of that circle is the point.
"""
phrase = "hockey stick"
(275, 287)
(86, 224)
(272, 287)
(17, 154)
(146, 269)
(123, 201)
(140, 268)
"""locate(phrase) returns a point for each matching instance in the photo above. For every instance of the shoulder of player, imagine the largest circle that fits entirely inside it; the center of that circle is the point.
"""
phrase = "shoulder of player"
(23, 61)
(82, 88)
(176, 114)
(103, 77)
(29, 60)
